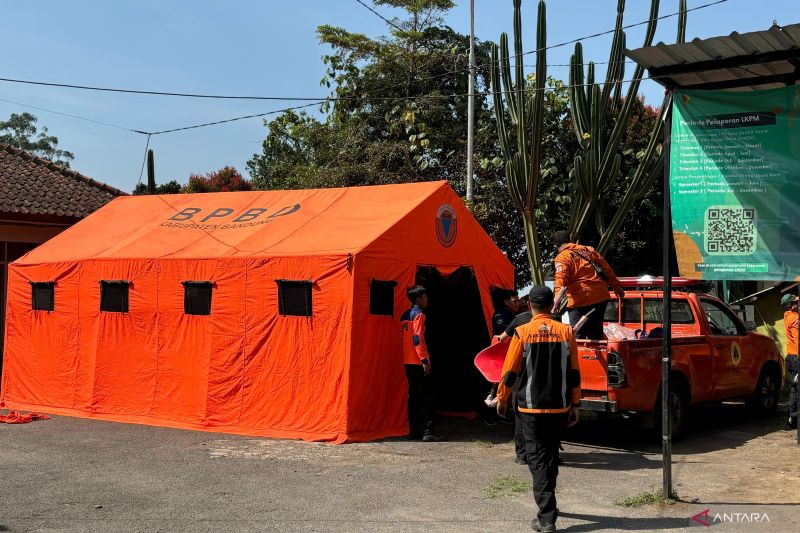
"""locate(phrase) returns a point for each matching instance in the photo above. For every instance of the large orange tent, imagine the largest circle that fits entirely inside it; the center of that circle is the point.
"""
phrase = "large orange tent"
(270, 313)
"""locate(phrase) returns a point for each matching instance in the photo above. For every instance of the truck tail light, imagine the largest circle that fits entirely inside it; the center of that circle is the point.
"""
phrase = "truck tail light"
(615, 370)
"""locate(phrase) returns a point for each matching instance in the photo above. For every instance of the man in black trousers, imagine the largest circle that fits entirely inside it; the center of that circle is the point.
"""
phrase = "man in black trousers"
(541, 371)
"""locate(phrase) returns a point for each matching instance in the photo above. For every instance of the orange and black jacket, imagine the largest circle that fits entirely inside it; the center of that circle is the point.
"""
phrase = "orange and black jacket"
(541, 368)
(413, 324)
(790, 323)
(584, 285)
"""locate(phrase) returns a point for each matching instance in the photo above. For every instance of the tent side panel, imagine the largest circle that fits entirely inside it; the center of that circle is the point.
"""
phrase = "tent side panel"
(116, 370)
(41, 347)
(378, 392)
(187, 343)
(296, 366)
(244, 369)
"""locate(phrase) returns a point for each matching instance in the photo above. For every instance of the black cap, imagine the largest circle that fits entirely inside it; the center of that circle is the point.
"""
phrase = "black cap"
(541, 296)
(560, 238)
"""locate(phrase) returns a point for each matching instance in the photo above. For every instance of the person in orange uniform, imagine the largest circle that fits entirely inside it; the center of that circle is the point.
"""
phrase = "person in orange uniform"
(421, 404)
(541, 371)
(584, 276)
(790, 319)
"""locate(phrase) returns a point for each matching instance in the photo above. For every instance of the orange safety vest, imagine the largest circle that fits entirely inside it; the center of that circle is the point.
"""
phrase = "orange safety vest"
(541, 368)
(790, 324)
(413, 325)
(584, 285)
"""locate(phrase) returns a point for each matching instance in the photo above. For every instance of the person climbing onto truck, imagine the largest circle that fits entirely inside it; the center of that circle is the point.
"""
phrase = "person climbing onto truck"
(421, 403)
(584, 276)
(790, 319)
(541, 371)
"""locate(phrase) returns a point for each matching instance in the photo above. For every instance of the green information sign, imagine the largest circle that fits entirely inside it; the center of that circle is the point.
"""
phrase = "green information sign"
(735, 184)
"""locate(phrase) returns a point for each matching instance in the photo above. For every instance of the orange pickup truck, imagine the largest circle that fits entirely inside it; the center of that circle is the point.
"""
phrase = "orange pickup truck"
(714, 358)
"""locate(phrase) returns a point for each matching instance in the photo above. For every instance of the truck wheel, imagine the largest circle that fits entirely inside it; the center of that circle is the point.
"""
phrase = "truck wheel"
(679, 404)
(764, 401)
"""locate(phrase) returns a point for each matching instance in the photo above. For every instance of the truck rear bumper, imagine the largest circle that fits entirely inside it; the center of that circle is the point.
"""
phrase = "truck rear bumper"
(604, 406)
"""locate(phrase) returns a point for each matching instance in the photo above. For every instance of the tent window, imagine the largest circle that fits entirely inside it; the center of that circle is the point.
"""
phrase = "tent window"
(114, 296)
(381, 297)
(43, 295)
(294, 297)
(196, 297)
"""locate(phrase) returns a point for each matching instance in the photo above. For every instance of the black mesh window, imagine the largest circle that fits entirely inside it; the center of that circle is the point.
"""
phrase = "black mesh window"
(114, 296)
(381, 297)
(294, 297)
(43, 295)
(197, 297)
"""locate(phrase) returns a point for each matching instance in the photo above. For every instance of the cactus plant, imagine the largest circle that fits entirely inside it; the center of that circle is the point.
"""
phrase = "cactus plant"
(597, 165)
(519, 111)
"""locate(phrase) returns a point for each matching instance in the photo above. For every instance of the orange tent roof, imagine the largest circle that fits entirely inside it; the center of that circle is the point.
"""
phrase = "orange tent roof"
(250, 224)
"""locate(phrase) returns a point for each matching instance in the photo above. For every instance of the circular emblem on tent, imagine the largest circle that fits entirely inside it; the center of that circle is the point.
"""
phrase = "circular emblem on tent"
(446, 225)
(736, 353)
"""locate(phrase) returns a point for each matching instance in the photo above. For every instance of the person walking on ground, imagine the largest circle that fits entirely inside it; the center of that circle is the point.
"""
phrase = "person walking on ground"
(790, 319)
(541, 371)
(584, 276)
(421, 408)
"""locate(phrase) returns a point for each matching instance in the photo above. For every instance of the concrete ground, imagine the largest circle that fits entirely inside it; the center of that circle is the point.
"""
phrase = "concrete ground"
(70, 474)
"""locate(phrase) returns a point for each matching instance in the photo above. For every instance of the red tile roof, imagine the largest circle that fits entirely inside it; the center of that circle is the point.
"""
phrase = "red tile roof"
(32, 185)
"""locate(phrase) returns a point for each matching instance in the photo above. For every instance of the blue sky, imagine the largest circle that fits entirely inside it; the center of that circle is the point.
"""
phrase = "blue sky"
(266, 47)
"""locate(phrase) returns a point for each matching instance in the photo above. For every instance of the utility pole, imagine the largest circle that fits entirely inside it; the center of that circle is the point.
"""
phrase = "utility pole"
(471, 100)
(151, 173)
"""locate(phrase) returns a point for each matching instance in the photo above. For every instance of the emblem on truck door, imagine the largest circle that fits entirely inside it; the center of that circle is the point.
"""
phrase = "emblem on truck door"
(736, 353)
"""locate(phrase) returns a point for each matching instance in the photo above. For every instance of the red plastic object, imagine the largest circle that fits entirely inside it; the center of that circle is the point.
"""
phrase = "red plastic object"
(490, 361)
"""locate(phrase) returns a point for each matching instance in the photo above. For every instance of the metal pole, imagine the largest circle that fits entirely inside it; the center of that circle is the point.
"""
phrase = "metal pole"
(666, 367)
(471, 99)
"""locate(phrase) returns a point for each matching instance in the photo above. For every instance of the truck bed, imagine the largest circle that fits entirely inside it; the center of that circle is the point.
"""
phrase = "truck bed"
(604, 382)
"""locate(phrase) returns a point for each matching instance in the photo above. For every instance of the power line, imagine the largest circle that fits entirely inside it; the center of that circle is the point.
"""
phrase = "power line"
(387, 21)
(74, 116)
(234, 119)
(316, 102)
(418, 97)
(627, 27)
(155, 93)
(315, 98)
(241, 97)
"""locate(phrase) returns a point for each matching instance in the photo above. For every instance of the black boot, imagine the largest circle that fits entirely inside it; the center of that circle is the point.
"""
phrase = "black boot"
(548, 528)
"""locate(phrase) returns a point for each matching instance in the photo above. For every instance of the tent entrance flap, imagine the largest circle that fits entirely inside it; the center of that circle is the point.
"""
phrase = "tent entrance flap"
(456, 331)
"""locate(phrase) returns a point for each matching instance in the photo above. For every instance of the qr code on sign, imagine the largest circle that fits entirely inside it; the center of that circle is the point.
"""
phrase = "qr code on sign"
(730, 230)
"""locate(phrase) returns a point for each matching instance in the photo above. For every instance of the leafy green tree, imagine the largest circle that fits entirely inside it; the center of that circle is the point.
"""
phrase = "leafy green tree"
(392, 118)
(21, 131)
(170, 187)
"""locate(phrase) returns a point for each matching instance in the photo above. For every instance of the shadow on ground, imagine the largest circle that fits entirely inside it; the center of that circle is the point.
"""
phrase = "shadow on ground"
(711, 428)
(622, 523)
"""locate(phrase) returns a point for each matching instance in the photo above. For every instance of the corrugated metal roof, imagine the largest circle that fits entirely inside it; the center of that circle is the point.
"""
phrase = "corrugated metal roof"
(726, 61)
